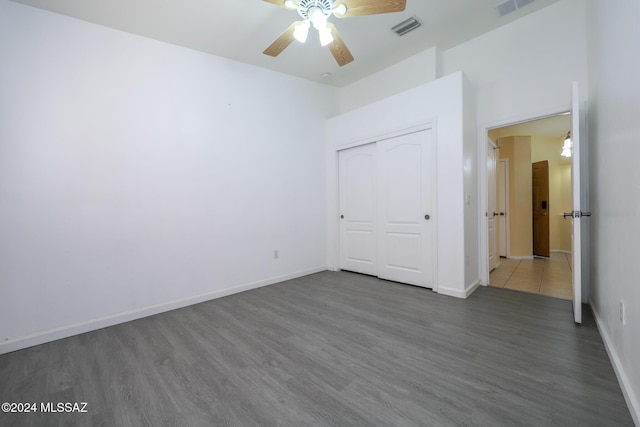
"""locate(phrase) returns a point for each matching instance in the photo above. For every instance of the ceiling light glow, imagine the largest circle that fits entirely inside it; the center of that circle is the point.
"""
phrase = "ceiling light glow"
(341, 9)
(566, 147)
(325, 36)
(318, 18)
(301, 32)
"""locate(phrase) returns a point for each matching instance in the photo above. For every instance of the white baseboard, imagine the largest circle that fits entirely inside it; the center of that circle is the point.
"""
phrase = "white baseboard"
(521, 257)
(562, 251)
(627, 391)
(457, 292)
(65, 331)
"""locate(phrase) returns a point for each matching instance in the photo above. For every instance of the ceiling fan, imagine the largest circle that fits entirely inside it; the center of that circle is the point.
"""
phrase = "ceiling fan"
(317, 12)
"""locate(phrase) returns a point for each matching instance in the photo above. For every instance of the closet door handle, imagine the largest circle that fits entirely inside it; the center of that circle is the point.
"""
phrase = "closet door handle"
(427, 217)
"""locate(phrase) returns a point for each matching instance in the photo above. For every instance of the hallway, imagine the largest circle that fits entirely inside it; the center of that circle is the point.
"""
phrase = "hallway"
(550, 276)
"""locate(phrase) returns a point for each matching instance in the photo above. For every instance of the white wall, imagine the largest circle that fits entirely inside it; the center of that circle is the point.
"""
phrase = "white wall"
(471, 188)
(410, 73)
(614, 134)
(440, 102)
(526, 68)
(137, 176)
(523, 69)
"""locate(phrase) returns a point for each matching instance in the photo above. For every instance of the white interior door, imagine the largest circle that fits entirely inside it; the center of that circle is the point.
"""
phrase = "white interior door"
(576, 235)
(357, 181)
(503, 204)
(406, 214)
(491, 205)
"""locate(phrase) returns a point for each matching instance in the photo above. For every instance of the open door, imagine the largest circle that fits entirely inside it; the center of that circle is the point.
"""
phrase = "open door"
(576, 214)
(502, 199)
(491, 206)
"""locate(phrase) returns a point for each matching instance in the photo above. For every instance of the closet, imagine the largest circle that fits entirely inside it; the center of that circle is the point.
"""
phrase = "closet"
(387, 208)
(403, 218)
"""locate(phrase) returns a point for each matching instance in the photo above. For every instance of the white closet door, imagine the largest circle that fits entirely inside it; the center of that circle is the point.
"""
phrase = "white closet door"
(357, 169)
(406, 213)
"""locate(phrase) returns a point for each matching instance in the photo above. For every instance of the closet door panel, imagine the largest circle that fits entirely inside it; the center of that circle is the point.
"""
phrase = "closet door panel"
(406, 209)
(357, 182)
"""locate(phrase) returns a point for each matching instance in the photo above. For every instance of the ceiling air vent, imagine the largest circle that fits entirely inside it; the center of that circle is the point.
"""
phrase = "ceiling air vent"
(511, 6)
(407, 25)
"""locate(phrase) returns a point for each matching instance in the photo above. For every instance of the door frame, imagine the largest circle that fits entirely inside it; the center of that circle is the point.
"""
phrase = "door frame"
(483, 178)
(333, 190)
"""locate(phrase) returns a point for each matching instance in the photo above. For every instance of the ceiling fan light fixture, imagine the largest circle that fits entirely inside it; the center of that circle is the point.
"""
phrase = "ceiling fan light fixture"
(318, 18)
(566, 147)
(318, 12)
(325, 36)
(341, 9)
(302, 31)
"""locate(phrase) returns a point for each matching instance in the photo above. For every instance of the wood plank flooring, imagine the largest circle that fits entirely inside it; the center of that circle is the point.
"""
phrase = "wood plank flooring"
(330, 349)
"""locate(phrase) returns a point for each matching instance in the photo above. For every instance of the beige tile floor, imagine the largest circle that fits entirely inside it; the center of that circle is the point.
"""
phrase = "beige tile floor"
(546, 276)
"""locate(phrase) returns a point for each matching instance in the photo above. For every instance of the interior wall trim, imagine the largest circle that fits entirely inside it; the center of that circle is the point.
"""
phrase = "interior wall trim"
(458, 293)
(53, 334)
(388, 134)
(625, 384)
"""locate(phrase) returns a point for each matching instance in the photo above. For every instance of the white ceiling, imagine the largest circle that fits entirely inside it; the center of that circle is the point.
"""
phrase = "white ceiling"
(242, 29)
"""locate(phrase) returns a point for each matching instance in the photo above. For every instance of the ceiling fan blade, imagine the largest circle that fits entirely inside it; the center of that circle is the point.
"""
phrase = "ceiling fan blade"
(281, 2)
(369, 7)
(337, 47)
(283, 41)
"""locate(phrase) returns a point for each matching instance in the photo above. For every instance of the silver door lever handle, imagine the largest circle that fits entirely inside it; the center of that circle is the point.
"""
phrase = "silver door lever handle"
(576, 214)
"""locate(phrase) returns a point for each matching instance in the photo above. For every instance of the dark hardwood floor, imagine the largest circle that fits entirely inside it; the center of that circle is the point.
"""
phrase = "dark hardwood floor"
(335, 349)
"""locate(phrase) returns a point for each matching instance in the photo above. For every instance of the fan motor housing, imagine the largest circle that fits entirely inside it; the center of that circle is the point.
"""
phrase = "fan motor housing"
(306, 6)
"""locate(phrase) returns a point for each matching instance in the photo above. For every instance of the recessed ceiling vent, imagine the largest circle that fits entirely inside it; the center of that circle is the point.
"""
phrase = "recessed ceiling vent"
(407, 25)
(511, 6)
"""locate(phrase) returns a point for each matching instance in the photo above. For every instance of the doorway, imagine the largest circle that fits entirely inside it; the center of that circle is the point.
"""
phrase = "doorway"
(539, 179)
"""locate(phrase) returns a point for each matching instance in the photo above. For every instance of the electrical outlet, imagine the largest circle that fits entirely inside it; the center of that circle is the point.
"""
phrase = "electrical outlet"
(622, 313)
(276, 255)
